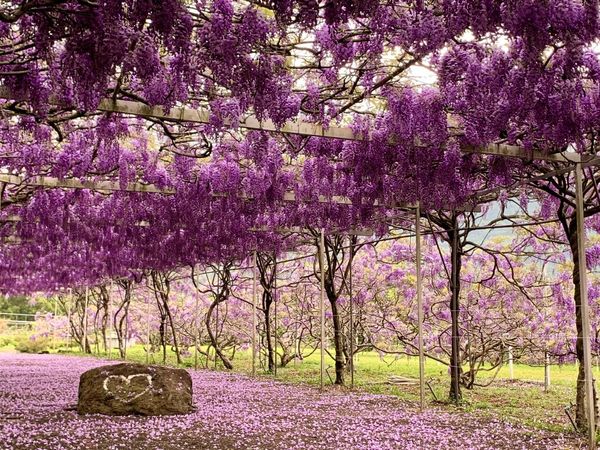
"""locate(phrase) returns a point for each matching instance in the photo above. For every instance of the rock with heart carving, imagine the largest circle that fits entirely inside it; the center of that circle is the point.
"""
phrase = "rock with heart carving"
(124, 389)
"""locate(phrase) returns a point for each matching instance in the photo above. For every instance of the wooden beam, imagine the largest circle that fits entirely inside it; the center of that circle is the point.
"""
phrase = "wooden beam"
(359, 232)
(73, 183)
(114, 186)
(299, 127)
(514, 151)
(10, 218)
(202, 115)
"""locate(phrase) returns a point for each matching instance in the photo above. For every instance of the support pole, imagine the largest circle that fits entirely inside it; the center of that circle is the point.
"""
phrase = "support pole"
(85, 321)
(254, 314)
(147, 330)
(196, 332)
(69, 318)
(546, 372)
(126, 334)
(109, 337)
(511, 373)
(585, 318)
(455, 367)
(54, 323)
(276, 343)
(216, 333)
(322, 303)
(351, 314)
(420, 307)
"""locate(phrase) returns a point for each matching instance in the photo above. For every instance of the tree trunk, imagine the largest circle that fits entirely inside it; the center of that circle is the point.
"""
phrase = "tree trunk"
(267, 300)
(338, 341)
(173, 330)
(455, 359)
(212, 337)
(120, 321)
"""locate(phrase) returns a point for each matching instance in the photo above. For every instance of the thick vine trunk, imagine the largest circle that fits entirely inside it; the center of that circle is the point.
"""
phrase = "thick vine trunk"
(212, 337)
(271, 360)
(173, 330)
(103, 330)
(455, 358)
(120, 324)
(338, 341)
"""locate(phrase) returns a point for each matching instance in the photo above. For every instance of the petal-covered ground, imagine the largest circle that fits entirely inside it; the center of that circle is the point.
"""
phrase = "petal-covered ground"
(236, 412)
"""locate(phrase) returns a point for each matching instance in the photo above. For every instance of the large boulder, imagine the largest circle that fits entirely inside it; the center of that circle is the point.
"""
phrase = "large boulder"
(124, 389)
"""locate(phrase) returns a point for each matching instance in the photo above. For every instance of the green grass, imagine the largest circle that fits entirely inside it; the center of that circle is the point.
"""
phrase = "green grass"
(522, 400)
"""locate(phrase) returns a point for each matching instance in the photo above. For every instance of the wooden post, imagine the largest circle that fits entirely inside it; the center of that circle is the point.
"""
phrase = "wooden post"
(546, 372)
(420, 307)
(322, 303)
(254, 321)
(85, 321)
(511, 373)
(583, 286)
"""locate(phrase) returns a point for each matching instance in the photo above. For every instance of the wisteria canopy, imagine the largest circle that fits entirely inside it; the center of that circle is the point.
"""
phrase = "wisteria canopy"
(521, 73)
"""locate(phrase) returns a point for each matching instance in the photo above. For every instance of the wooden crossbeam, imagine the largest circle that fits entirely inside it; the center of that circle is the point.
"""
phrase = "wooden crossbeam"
(359, 232)
(202, 115)
(10, 218)
(299, 127)
(114, 186)
(514, 151)
(73, 183)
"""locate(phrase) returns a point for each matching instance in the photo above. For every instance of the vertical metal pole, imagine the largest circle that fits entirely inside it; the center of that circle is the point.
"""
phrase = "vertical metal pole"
(420, 307)
(455, 367)
(350, 295)
(69, 316)
(276, 343)
(546, 372)
(196, 332)
(147, 330)
(109, 340)
(511, 373)
(254, 324)
(216, 333)
(54, 323)
(585, 318)
(85, 321)
(126, 337)
(322, 303)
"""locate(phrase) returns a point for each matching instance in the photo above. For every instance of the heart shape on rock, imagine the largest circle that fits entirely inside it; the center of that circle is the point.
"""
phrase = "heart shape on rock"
(127, 389)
